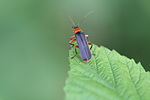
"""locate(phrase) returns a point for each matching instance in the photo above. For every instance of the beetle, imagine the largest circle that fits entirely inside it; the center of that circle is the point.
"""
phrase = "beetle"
(82, 44)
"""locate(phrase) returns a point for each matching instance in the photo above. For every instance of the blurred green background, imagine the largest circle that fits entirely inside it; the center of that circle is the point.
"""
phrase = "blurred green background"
(34, 47)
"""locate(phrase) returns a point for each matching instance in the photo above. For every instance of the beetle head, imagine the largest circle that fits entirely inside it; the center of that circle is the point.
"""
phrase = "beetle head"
(76, 29)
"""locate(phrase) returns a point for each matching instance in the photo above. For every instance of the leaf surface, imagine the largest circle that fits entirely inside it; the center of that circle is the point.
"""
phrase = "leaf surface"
(107, 76)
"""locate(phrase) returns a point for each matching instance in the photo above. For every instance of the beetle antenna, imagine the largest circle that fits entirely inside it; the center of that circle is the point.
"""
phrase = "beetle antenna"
(72, 21)
(83, 20)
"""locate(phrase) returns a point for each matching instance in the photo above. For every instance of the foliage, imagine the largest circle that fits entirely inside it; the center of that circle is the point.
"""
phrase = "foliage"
(107, 76)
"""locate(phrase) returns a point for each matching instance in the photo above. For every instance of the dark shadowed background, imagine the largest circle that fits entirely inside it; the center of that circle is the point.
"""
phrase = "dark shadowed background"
(34, 47)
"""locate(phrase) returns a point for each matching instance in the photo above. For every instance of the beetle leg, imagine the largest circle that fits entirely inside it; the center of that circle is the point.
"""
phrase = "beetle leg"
(71, 45)
(93, 54)
(91, 45)
(91, 48)
(72, 37)
(75, 54)
(72, 41)
(76, 46)
(86, 35)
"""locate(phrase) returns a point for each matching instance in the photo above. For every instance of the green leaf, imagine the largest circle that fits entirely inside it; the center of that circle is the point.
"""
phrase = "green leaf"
(107, 76)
